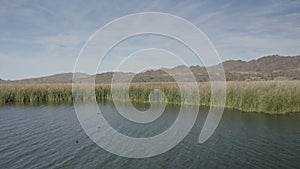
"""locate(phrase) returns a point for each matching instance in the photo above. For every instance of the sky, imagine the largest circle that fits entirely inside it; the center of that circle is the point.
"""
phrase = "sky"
(41, 38)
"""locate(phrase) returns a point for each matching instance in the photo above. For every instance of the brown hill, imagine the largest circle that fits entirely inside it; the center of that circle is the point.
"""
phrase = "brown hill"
(266, 68)
(57, 78)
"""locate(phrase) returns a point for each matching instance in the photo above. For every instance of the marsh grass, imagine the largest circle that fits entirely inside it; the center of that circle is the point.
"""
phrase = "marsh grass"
(275, 97)
(35, 94)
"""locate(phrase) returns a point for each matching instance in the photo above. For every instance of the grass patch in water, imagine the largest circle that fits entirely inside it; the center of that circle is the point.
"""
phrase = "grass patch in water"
(275, 97)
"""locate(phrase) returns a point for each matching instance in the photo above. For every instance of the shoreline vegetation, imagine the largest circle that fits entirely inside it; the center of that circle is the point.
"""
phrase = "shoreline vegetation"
(273, 97)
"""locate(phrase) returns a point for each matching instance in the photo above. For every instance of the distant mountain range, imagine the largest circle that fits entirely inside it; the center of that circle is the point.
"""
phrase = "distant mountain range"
(273, 67)
(2, 81)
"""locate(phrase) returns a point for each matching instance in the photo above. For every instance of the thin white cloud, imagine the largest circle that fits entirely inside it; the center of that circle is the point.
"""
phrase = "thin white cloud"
(47, 33)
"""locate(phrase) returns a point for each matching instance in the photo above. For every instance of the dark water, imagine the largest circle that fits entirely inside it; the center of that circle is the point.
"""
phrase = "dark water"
(51, 137)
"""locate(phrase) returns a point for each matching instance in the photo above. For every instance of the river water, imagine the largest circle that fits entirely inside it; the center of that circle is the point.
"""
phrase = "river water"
(50, 136)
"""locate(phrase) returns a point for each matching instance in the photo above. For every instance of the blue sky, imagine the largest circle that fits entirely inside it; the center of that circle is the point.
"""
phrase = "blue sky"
(44, 37)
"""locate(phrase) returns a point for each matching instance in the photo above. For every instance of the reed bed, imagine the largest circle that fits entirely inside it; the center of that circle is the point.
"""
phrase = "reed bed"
(35, 94)
(274, 97)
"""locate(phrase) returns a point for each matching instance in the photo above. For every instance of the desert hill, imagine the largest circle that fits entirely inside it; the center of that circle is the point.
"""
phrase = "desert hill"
(273, 67)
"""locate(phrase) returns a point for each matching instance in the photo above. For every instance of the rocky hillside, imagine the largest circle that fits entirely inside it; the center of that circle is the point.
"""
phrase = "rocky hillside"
(266, 68)
(273, 67)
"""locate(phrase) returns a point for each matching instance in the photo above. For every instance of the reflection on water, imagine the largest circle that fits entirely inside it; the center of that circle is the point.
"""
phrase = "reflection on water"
(50, 136)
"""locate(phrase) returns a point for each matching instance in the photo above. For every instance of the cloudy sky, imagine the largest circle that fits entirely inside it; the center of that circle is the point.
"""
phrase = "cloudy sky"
(44, 37)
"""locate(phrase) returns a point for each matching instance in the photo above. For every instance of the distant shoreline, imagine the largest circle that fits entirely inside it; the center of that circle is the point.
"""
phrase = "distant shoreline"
(272, 97)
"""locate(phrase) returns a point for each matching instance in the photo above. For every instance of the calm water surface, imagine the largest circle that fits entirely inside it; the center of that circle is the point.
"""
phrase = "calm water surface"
(51, 137)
